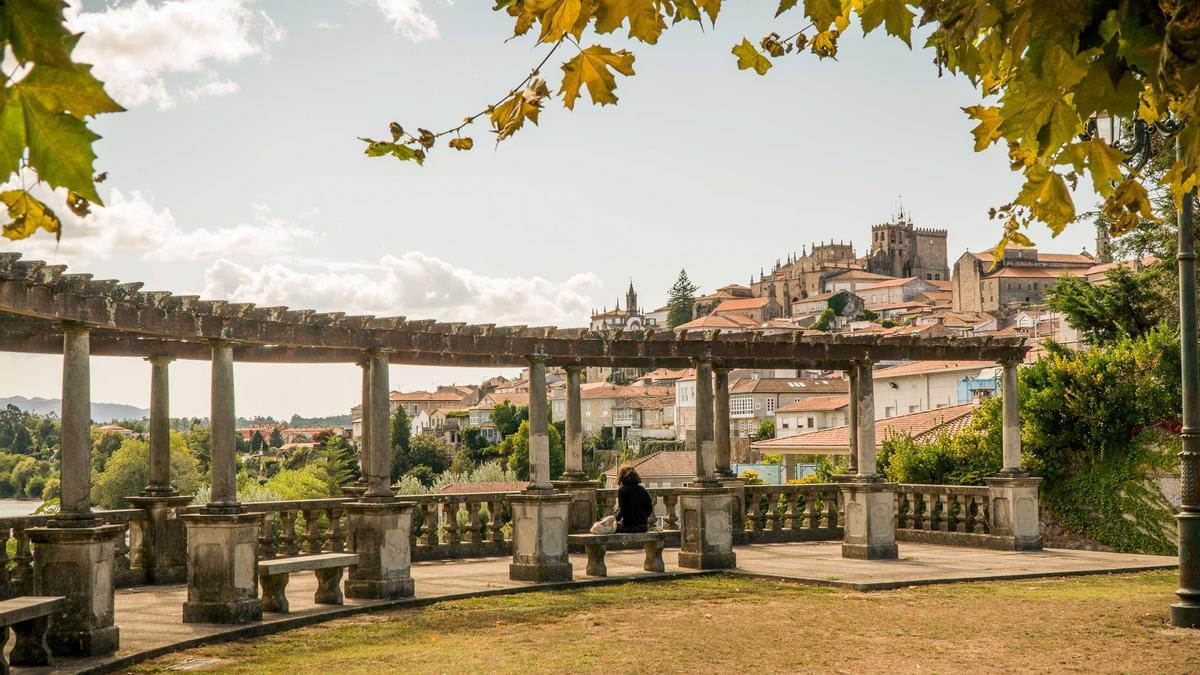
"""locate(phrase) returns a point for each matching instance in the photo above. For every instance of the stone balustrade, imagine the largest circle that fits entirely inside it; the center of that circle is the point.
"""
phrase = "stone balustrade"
(300, 527)
(666, 506)
(775, 513)
(16, 550)
(944, 514)
(461, 525)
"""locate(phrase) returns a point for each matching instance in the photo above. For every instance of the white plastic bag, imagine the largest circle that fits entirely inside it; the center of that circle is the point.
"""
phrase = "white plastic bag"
(606, 525)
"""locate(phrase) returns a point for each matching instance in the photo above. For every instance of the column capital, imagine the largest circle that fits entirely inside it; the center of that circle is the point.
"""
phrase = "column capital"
(721, 369)
(538, 357)
(156, 359)
(1012, 362)
(75, 327)
(573, 367)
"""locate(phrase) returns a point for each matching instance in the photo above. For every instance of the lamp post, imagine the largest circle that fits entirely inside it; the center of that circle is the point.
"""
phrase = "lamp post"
(1186, 612)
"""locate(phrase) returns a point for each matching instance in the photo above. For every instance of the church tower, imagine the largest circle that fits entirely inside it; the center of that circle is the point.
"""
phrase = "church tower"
(631, 305)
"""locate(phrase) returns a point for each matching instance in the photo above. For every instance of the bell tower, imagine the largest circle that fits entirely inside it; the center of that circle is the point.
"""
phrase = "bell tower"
(631, 305)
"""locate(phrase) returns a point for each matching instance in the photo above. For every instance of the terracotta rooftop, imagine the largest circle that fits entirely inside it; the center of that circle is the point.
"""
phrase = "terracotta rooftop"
(741, 304)
(816, 404)
(931, 367)
(919, 426)
(494, 399)
(722, 322)
(664, 463)
(890, 283)
(483, 486)
(426, 396)
(787, 385)
(623, 391)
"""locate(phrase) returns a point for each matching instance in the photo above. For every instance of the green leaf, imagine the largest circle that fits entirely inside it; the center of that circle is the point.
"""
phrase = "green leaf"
(785, 5)
(60, 149)
(1045, 194)
(895, 15)
(594, 68)
(1101, 159)
(28, 215)
(823, 12)
(749, 57)
(73, 90)
(12, 132)
(987, 131)
(36, 32)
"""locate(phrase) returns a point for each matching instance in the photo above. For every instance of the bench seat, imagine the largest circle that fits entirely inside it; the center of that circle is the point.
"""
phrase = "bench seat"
(29, 617)
(596, 545)
(274, 574)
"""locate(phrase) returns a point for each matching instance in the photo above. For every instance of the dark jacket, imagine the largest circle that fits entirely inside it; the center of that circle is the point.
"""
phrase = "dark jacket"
(634, 508)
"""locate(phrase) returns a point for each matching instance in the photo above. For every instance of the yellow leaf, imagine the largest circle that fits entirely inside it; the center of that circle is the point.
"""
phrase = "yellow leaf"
(511, 114)
(462, 143)
(28, 215)
(1104, 162)
(1045, 194)
(824, 44)
(645, 21)
(895, 15)
(822, 12)
(988, 130)
(749, 57)
(591, 67)
(559, 18)
(711, 7)
(1177, 184)
(1128, 206)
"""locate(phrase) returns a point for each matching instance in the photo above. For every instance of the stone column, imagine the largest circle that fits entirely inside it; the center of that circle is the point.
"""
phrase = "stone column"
(706, 459)
(721, 422)
(379, 449)
(852, 414)
(162, 550)
(222, 540)
(869, 503)
(540, 516)
(706, 508)
(364, 439)
(574, 481)
(75, 437)
(1014, 493)
(73, 555)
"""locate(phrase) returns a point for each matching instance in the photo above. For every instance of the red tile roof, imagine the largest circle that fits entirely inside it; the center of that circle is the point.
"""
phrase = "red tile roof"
(816, 404)
(919, 426)
(929, 367)
(663, 463)
(786, 385)
(742, 304)
(890, 283)
(483, 486)
(722, 322)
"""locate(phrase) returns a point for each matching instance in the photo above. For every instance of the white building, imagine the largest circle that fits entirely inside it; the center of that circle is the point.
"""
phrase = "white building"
(815, 412)
(929, 385)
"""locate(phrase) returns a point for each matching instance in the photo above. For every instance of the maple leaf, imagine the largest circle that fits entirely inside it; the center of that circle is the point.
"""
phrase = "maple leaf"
(1045, 194)
(73, 90)
(559, 18)
(824, 44)
(464, 143)
(822, 12)
(34, 29)
(28, 215)
(711, 7)
(784, 5)
(510, 115)
(749, 57)
(645, 21)
(895, 15)
(1101, 159)
(594, 68)
(988, 129)
(60, 148)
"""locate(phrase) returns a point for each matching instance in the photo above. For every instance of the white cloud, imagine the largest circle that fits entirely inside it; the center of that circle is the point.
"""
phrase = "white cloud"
(136, 46)
(131, 226)
(408, 18)
(213, 88)
(413, 285)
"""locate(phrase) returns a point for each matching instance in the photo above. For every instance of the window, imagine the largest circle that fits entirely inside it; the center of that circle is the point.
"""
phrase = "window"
(741, 404)
(771, 404)
(889, 411)
(784, 425)
(811, 423)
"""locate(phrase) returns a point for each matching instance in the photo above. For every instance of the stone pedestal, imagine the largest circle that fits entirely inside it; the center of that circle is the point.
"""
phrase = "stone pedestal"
(380, 535)
(222, 568)
(737, 505)
(540, 523)
(77, 562)
(1014, 506)
(162, 551)
(582, 510)
(706, 529)
(869, 505)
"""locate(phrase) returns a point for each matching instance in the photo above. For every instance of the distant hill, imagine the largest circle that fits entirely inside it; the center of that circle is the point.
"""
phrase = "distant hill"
(101, 412)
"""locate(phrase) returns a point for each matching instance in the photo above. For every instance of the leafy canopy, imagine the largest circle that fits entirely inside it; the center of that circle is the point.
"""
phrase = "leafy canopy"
(44, 107)
(1043, 70)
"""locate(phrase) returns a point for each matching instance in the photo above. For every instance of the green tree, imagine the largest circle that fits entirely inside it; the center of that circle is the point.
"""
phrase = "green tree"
(430, 451)
(681, 301)
(400, 434)
(766, 429)
(276, 439)
(518, 461)
(825, 320)
(334, 463)
(508, 417)
(103, 446)
(199, 444)
(127, 472)
(1129, 305)
(257, 442)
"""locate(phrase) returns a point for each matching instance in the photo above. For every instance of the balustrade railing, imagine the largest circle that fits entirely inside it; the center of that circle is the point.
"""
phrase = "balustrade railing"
(942, 513)
(16, 550)
(461, 525)
(666, 506)
(790, 513)
(300, 527)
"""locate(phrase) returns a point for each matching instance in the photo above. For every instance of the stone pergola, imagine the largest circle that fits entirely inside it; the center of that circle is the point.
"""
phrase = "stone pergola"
(44, 309)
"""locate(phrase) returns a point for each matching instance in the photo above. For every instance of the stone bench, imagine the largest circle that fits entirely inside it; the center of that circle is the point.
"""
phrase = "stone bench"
(29, 617)
(597, 544)
(273, 575)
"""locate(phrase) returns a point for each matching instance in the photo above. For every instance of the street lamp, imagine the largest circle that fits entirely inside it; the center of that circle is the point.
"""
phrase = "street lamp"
(1186, 612)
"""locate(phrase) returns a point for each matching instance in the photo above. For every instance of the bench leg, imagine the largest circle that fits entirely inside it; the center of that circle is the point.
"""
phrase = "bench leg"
(3, 639)
(329, 586)
(274, 597)
(595, 563)
(30, 647)
(654, 561)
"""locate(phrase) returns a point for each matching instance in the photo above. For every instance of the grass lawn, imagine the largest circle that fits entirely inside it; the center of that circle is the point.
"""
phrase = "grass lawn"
(1081, 624)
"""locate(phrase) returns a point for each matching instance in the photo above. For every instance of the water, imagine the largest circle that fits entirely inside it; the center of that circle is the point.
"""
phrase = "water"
(17, 507)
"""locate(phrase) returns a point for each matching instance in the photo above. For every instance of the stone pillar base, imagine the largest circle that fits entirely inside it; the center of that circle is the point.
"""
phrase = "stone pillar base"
(162, 552)
(78, 563)
(582, 510)
(540, 523)
(869, 505)
(222, 568)
(1015, 511)
(737, 513)
(706, 529)
(1186, 612)
(379, 533)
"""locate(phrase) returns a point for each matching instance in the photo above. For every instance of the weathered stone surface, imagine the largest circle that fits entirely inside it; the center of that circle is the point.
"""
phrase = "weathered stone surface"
(77, 563)
(582, 511)
(222, 568)
(706, 529)
(870, 519)
(540, 524)
(379, 535)
(1015, 511)
(163, 545)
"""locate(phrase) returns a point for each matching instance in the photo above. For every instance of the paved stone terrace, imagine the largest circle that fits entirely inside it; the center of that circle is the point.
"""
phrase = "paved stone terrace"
(150, 617)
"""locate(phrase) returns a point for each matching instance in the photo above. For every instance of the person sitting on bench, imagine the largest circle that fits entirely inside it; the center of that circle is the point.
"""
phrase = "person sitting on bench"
(634, 505)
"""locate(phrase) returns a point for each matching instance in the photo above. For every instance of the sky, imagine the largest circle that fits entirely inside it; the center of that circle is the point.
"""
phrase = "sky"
(237, 173)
